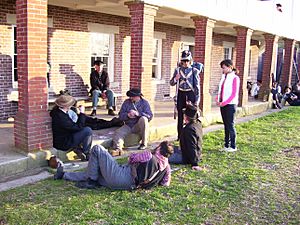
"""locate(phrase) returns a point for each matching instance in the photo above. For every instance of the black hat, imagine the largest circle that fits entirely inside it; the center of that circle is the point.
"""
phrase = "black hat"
(133, 92)
(186, 55)
(99, 62)
(191, 111)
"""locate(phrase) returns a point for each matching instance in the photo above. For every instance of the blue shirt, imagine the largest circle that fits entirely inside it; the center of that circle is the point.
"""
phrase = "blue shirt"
(142, 106)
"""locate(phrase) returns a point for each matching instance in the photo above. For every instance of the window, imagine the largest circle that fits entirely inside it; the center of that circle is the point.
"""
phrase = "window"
(156, 58)
(228, 46)
(102, 48)
(14, 61)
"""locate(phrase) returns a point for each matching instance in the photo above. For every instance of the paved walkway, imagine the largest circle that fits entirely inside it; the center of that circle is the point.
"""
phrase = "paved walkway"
(163, 116)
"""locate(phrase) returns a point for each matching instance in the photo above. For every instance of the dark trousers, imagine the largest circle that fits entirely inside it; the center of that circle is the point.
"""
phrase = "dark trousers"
(83, 137)
(182, 98)
(228, 113)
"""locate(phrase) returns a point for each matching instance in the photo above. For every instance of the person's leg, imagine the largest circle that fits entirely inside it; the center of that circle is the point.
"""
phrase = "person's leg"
(120, 134)
(83, 137)
(176, 157)
(95, 98)
(225, 122)
(109, 173)
(110, 98)
(232, 131)
(142, 128)
(75, 176)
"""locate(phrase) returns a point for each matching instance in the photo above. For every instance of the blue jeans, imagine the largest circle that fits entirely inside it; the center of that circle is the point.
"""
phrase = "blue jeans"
(109, 94)
(105, 169)
(83, 137)
(228, 113)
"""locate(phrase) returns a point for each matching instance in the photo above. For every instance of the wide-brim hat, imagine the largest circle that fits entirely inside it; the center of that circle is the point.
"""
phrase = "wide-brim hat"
(191, 111)
(65, 101)
(133, 92)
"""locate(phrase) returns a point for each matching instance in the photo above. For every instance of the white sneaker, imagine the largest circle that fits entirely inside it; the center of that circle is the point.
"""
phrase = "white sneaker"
(225, 149)
(231, 150)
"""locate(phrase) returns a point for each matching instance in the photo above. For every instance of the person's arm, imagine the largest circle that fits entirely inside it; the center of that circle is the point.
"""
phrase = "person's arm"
(67, 123)
(105, 81)
(173, 81)
(233, 92)
(197, 86)
(125, 108)
(167, 178)
(139, 157)
(94, 81)
(146, 110)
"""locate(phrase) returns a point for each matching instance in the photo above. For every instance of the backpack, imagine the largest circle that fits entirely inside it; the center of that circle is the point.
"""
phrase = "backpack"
(198, 66)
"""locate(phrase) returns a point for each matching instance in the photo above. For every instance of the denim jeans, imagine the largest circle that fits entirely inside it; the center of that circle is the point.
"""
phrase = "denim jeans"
(97, 94)
(83, 137)
(228, 113)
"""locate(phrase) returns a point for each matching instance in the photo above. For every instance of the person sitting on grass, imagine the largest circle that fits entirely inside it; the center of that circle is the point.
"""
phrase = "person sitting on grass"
(190, 140)
(290, 97)
(144, 170)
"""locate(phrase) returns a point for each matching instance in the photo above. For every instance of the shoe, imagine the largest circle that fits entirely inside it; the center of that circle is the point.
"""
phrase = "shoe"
(59, 172)
(142, 147)
(88, 184)
(111, 112)
(225, 149)
(94, 112)
(80, 154)
(231, 150)
(116, 152)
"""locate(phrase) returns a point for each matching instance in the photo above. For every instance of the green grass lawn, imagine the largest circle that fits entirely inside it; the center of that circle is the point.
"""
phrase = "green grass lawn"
(259, 184)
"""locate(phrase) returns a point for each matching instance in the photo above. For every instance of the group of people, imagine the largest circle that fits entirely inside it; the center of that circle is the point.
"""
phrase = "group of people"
(147, 168)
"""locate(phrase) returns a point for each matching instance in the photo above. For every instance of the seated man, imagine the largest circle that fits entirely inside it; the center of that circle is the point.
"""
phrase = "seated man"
(136, 114)
(290, 97)
(100, 88)
(144, 170)
(190, 140)
(67, 134)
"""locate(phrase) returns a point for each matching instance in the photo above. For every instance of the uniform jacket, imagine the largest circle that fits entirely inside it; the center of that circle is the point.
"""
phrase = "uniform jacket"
(191, 143)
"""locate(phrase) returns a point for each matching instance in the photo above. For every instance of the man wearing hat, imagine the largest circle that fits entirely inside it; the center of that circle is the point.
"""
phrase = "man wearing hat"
(187, 81)
(190, 140)
(99, 80)
(136, 114)
(68, 134)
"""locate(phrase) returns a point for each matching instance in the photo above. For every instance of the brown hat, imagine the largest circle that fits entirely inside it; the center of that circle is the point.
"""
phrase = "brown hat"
(65, 101)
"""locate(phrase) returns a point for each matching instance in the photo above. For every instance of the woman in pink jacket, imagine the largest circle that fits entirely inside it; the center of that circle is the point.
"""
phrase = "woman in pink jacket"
(227, 99)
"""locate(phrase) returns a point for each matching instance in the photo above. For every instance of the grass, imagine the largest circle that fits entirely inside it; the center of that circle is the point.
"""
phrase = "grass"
(259, 184)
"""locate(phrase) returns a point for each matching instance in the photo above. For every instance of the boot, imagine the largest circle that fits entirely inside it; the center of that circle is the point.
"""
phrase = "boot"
(88, 184)
(80, 154)
(111, 112)
(94, 112)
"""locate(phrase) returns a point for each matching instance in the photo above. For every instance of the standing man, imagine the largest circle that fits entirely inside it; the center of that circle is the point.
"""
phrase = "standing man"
(187, 81)
(190, 140)
(100, 88)
(136, 114)
(227, 99)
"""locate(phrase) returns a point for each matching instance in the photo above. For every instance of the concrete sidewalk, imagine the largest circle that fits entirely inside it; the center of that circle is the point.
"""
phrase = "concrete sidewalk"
(163, 126)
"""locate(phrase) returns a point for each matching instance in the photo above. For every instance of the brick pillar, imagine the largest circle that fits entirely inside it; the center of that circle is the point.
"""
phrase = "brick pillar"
(268, 65)
(242, 61)
(286, 75)
(298, 63)
(32, 123)
(142, 30)
(203, 45)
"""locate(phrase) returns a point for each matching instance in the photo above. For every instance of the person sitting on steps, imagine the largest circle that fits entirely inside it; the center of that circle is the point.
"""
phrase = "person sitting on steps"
(67, 134)
(99, 80)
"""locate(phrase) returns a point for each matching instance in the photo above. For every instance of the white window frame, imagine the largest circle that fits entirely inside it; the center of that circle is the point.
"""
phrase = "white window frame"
(110, 66)
(158, 59)
(229, 46)
(14, 83)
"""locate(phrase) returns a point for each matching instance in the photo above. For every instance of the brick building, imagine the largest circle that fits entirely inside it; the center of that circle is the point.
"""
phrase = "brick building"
(140, 42)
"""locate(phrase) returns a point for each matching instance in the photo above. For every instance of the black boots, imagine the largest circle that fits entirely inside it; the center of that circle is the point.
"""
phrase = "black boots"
(94, 112)
(111, 112)
(88, 184)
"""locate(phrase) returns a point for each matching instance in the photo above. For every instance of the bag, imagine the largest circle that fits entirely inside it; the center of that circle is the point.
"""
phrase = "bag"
(53, 162)
(198, 66)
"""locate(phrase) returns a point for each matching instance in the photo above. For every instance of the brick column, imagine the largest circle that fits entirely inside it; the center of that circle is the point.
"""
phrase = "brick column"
(32, 123)
(242, 61)
(286, 76)
(268, 65)
(298, 63)
(142, 30)
(203, 45)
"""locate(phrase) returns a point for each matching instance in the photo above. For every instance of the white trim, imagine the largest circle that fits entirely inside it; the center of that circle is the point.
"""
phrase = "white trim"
(227, 44)
(188, 39)
(14, 83)
(159, 35)
(102, 28)
(110, 67)
(12, 19)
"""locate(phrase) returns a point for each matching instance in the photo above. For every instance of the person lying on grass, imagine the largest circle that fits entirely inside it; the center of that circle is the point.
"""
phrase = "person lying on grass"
(190, 140)
(144, 170)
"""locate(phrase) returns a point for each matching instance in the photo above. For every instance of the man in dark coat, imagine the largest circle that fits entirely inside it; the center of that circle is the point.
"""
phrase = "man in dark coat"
(190, 140)
(99, 80)
(67, 134)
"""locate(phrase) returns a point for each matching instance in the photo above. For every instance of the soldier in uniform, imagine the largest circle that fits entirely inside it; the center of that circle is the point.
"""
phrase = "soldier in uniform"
(187, 81)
